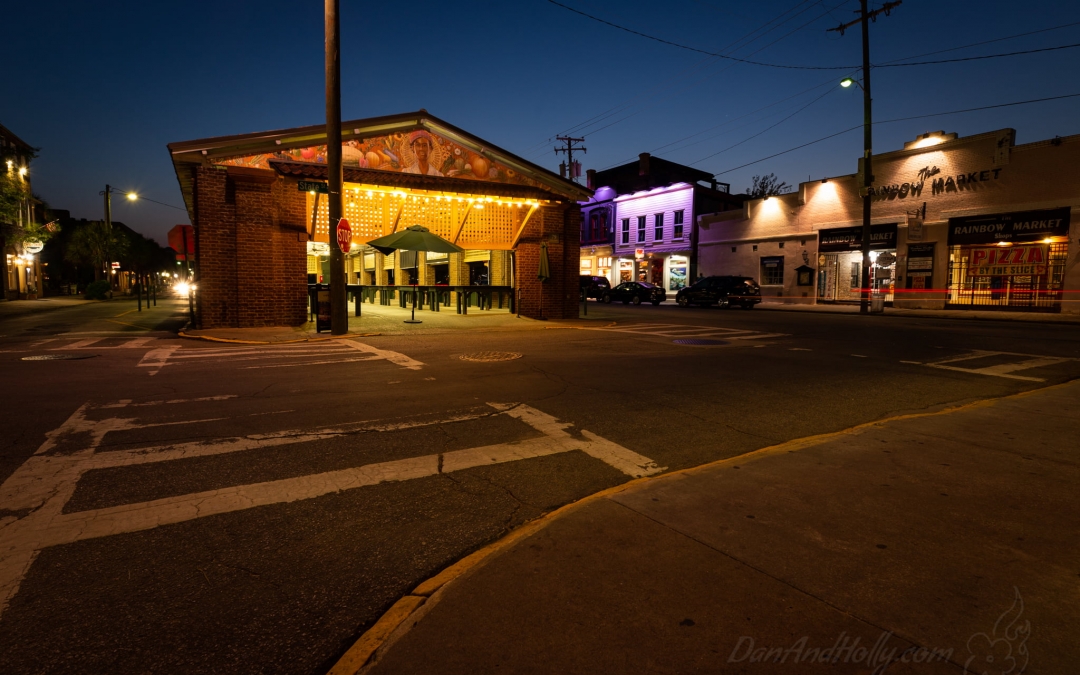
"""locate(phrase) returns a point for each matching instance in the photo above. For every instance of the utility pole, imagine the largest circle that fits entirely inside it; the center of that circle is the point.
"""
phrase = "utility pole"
(865, 17)
(108, 233)
(339, 314)
(569, 150)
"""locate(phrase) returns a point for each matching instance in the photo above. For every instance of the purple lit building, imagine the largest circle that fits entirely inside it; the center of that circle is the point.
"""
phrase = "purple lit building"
(641, 222)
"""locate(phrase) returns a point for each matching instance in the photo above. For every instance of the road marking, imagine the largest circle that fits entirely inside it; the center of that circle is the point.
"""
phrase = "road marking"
(860, 356)
(683, 330)
(913, 363)
(133, 343)
(325, 352)
(44, 484)
(799, 349)
(1005, 370)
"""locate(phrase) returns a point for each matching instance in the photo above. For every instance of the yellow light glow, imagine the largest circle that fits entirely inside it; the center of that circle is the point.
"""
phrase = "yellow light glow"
(22, 170)
(312, 193)
(928, 141)
(1004, 243)
(132, 196)
(846, 82)
(1048, 240)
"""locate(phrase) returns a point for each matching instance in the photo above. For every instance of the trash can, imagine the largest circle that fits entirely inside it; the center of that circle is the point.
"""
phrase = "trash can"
(877, 302)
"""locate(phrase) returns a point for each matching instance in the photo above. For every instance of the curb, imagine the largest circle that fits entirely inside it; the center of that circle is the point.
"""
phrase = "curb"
(209, 338)
(393, 623)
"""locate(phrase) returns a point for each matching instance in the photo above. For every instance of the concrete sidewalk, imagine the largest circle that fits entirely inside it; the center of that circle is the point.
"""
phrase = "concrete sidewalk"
(978, 315)
(927, 543)
(388, 320)
(15, 308)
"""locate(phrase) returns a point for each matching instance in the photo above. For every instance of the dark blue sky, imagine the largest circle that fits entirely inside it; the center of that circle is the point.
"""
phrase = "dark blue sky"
(102, 87)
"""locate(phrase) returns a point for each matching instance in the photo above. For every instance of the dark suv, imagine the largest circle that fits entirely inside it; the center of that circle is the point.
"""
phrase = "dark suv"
(594, 287)
(724, 291)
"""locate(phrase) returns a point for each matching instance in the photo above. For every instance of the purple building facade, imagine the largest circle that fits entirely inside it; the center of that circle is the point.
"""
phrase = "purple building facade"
(640, 224)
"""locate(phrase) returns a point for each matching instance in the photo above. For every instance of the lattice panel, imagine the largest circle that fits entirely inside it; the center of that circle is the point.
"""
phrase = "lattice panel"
(492, 224)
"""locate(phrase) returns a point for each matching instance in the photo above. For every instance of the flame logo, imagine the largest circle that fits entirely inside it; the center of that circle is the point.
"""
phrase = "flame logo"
(1004, 651)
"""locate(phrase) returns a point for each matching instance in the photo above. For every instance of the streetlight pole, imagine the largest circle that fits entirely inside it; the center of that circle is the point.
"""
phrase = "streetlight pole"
(339, 315)
(865, 16)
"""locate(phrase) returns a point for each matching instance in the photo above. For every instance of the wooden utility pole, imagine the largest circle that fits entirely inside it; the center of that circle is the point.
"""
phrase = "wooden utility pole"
(569, 150)
(865, 17)
(339, 309)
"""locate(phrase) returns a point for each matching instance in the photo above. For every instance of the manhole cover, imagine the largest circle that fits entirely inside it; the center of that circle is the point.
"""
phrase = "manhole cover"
(490, 356)
(698, 341)
(57, 357)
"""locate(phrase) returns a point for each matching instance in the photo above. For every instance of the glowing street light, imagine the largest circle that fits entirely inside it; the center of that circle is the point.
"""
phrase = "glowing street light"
(132, 196)
(846, 82)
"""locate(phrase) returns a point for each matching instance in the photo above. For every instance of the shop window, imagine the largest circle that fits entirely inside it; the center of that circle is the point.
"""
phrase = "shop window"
(658, 227)
(678, 223)
(389, 277)
(772, 271)
(442, 275)
(856, 275)
(641, 229)
(478, 274)
(626, 230)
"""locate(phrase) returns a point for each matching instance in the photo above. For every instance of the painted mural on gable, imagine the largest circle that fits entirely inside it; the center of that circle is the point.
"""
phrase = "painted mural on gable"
(420, 152)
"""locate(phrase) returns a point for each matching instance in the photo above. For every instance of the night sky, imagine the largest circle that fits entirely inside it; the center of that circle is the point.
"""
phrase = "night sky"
(100, 88)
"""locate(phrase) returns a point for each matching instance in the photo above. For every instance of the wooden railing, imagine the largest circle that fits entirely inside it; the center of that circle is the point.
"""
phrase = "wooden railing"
(432, 298)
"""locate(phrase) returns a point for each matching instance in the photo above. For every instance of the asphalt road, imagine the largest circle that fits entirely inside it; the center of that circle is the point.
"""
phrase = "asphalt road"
(172, 506)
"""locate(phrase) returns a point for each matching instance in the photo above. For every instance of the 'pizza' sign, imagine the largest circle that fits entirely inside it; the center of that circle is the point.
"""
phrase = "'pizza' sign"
(1009, 261)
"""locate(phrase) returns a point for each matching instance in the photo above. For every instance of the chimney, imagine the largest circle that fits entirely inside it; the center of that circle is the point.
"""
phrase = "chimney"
(643, 164)
(590, 178)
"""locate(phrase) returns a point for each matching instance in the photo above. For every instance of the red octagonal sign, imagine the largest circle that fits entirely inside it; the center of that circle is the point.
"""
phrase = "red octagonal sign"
(344, 235)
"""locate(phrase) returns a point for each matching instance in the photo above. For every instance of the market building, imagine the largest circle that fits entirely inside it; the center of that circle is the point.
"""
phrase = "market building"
(974, 222)
(262, 233)
(640, 223)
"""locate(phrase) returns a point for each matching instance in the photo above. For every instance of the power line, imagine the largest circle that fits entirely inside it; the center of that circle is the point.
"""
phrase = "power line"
(534, 149)
(984, 42)
(695, 49)
(772, 126)
(794, 67)
(977, 58)
(620, 108)
(898, 119)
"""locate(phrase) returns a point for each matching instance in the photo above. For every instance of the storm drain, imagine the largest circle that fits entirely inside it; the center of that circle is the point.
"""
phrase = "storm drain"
(57, 357)
(698, 342)
(486, 357)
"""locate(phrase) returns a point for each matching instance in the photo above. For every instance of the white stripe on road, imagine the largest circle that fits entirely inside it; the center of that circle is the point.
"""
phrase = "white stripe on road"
(54, 478)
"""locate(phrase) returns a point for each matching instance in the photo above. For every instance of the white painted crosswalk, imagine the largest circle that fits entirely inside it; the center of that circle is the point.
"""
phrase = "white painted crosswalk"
(293, 355)
(674, 330)
(34, 498)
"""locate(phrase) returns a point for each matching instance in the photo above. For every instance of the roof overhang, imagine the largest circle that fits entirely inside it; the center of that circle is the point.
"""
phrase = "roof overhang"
(188, 155)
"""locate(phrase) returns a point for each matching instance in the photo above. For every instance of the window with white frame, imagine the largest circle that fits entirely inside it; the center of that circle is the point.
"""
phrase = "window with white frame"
(658, 227)
(678, 223)
(641, 229)
(626, 230)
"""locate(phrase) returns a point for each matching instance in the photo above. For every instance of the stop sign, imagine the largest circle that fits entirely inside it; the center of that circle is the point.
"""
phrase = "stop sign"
(344, 235)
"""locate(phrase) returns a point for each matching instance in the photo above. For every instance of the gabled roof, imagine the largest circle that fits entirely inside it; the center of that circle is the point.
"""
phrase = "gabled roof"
(11, 138)
(189, 154)
(647, 173)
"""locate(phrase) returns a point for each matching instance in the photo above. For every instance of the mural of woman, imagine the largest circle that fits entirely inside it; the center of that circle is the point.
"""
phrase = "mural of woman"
(421, 145)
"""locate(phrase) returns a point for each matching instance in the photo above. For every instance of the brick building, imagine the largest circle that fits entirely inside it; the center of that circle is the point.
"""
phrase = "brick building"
(957, 222)
(261, 236)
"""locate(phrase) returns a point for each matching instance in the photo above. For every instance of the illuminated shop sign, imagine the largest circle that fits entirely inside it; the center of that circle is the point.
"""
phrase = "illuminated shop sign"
(1009, 261)
(850, 238)
(938, 184)
(1009, 227)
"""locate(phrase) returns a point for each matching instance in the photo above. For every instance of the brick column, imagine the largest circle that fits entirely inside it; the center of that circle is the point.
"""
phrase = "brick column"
(559, 227)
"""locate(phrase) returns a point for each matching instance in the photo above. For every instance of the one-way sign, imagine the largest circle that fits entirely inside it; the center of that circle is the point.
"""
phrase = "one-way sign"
(312, 186)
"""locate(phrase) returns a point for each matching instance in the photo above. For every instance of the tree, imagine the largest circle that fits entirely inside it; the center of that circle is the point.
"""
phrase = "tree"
(95, 244)
(767, 186)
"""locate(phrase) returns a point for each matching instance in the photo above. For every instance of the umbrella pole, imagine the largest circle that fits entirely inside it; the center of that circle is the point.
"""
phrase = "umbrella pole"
(413, 319)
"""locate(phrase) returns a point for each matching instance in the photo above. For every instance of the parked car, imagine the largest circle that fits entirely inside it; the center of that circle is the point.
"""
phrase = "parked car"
(594, 287)
(635, 292)
(725, 291)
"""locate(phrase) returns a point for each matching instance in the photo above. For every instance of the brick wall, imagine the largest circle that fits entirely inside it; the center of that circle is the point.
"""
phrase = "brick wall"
(560, 227)
(250, 248)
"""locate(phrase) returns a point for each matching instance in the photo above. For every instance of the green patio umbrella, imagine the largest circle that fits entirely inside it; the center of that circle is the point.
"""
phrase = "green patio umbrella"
(413, 238)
